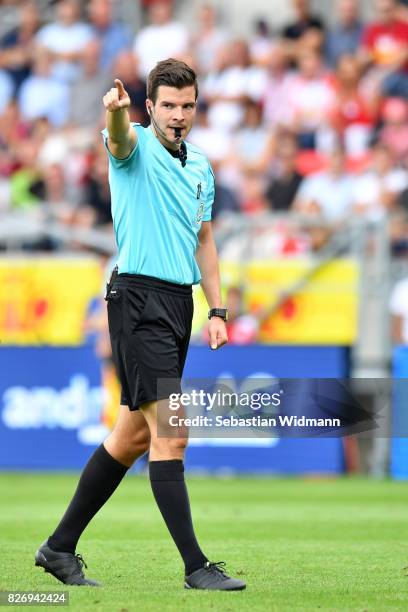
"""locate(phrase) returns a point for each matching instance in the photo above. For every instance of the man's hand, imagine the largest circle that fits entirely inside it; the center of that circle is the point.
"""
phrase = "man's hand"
(122, 137)
(217, 333)
(116, 98)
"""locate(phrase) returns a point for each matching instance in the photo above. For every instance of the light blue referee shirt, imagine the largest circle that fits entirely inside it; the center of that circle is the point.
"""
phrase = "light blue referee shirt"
(158, 207)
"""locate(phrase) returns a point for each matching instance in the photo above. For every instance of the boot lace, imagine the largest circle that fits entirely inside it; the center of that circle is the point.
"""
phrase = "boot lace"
(80, 563)
(216, 567)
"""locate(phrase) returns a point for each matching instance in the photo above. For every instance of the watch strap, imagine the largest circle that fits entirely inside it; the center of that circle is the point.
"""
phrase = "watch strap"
(218, 312)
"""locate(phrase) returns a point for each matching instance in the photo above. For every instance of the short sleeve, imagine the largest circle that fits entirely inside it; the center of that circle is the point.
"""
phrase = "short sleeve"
(115, 161)
(210, 195)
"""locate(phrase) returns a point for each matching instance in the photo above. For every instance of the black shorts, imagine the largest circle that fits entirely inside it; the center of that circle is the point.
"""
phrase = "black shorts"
(149, 327)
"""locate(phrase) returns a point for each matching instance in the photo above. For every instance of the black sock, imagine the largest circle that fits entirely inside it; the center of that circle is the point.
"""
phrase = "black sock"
(101, 475)
(170, 492)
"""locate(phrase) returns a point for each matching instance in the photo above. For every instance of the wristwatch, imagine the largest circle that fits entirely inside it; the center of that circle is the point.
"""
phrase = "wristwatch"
(218, 312)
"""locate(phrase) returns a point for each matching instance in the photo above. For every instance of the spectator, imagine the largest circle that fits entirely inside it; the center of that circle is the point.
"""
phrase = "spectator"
(113, 36)
(385, 48)
(252, 144)
(252, 190)
(328, 193)
(306, 32)
(394, 132)
(208, 39)
(41, 95)
(351, 115)
(65, 39)
(126, 68)
(344, 38)
(283, 187)
(277, 111)
(54, 191)
(261, 43)
(250, 149)
(304, 21)
(16, 47)
(377, 190)
(227, 88)
(53, 187)
(311, 98)
(64, 149)
(96, 196)
(87, 91)
(161, 39)
(25, 178)
(215, 143)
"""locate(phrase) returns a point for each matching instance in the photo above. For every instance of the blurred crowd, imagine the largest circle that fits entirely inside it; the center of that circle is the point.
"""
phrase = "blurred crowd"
(312, 118)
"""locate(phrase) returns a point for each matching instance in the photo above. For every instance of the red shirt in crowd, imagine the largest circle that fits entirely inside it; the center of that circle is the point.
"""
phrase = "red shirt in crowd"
(386, 42)
(349, 108)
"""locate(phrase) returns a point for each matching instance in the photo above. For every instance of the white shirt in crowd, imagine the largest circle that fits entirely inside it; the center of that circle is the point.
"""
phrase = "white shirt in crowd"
(61, 38)
(216, 144)
(310, 100)
(399, 306)
(233, 82)
(158, 42)
(34, 104)
(207, 47)
(369, 186)
(334, 195)
(277, 101)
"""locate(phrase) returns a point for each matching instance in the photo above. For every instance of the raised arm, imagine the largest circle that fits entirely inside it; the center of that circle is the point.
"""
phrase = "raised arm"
(122, 136)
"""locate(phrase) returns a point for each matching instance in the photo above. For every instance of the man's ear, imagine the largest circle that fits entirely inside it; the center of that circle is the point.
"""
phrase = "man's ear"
(149, 106)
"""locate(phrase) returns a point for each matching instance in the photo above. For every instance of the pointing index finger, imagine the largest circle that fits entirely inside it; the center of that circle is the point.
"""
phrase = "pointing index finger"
(119, 87)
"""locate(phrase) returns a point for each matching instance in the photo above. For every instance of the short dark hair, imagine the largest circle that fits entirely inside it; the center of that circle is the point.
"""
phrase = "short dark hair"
(171, 73)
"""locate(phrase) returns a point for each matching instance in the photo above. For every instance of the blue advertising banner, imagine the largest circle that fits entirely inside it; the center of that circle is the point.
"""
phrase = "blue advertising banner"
(255, 360)
(52, 408)
(262, 455)
(399, 446)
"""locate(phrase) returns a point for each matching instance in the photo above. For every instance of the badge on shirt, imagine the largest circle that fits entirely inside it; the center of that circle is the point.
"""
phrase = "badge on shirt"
(200, 195)
(200, 213)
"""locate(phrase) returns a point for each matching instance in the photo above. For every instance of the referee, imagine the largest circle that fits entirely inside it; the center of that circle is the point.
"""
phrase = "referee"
(162, 191)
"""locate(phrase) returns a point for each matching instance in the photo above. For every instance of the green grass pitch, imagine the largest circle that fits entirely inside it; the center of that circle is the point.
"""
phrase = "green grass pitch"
(300, 544)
